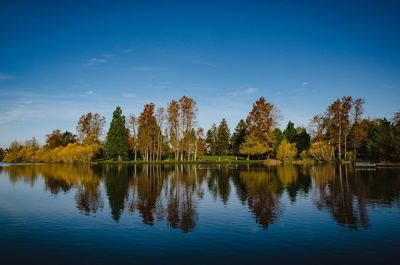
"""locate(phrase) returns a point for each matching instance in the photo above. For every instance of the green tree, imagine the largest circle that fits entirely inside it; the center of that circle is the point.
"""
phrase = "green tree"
(238, 137)
(290, 132)
(302, 139)
(211, 140)
(396, 135)
(223, 136)
(2, 154)
(379, 143)
(117, 144)
(278, 134)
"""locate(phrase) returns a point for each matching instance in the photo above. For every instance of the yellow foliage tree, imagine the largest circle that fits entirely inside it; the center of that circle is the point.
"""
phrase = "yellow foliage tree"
(286, 151)
(252, 146)
(321, 150)
(72, 153)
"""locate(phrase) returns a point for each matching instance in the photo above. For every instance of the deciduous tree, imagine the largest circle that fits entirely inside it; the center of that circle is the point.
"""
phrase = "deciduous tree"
(57, 138)
(260, 124)
(133, 138)
(357, 133)
(174, 126)
(90, 127)
(286, 151)
(148, 132)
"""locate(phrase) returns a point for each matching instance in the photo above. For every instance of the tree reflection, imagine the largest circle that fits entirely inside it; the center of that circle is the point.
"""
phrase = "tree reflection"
(171, 193)
(219, 184)
(116, 182)
(55, 185)
(89, 199)
(148, 185)
(343, 194)
(262, 191)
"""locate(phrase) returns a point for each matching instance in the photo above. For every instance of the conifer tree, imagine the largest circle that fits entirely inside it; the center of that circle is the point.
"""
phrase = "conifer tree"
(117, 144)
(238, 137)
(223, 137)
(211, 140)
(290, 132)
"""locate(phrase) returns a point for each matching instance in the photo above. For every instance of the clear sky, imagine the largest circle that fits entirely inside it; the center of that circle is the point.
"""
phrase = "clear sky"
(61, 60)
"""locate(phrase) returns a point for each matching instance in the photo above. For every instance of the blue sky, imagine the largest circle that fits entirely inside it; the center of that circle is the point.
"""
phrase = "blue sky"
(61, 60)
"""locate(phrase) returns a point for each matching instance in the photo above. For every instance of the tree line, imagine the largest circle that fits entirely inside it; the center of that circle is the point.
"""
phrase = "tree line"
(172, 133)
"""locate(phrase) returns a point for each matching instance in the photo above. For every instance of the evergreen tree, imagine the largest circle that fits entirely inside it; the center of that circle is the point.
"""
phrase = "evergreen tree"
(238, 137)
(302, 139)
(117, 145)
(396, 135)
(379, 143)
(211, 140)
(290, 132)
(2, 154)
(223, 136)
(279, 137)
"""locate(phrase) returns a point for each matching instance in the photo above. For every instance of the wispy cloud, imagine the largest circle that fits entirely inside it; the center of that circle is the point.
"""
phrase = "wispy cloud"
(90, 92)
(12, 114)
(245, 91)
(304, 87)
(99, 60)
(128, 95)
(4, 76)
(96, 61)
(250, 90)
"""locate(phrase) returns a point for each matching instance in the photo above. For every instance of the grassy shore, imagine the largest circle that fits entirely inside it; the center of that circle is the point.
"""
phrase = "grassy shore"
(209, 159)
(201, 160)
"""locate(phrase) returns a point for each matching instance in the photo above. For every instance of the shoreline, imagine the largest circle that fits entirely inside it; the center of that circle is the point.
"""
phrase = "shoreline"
(212, 162)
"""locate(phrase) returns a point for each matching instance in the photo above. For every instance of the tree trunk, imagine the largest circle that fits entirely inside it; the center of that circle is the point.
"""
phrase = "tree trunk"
(340, 142)
(195, 150)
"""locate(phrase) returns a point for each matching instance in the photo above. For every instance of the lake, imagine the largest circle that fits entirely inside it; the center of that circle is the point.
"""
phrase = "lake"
(198, 214)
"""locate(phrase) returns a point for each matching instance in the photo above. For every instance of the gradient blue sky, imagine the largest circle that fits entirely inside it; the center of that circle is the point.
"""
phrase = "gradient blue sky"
(61, 60)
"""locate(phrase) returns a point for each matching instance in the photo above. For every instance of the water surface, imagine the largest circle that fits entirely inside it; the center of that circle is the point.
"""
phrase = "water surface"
(217, 214)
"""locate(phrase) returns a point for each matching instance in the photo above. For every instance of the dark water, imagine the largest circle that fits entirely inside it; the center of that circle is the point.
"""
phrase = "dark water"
(64, 214)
